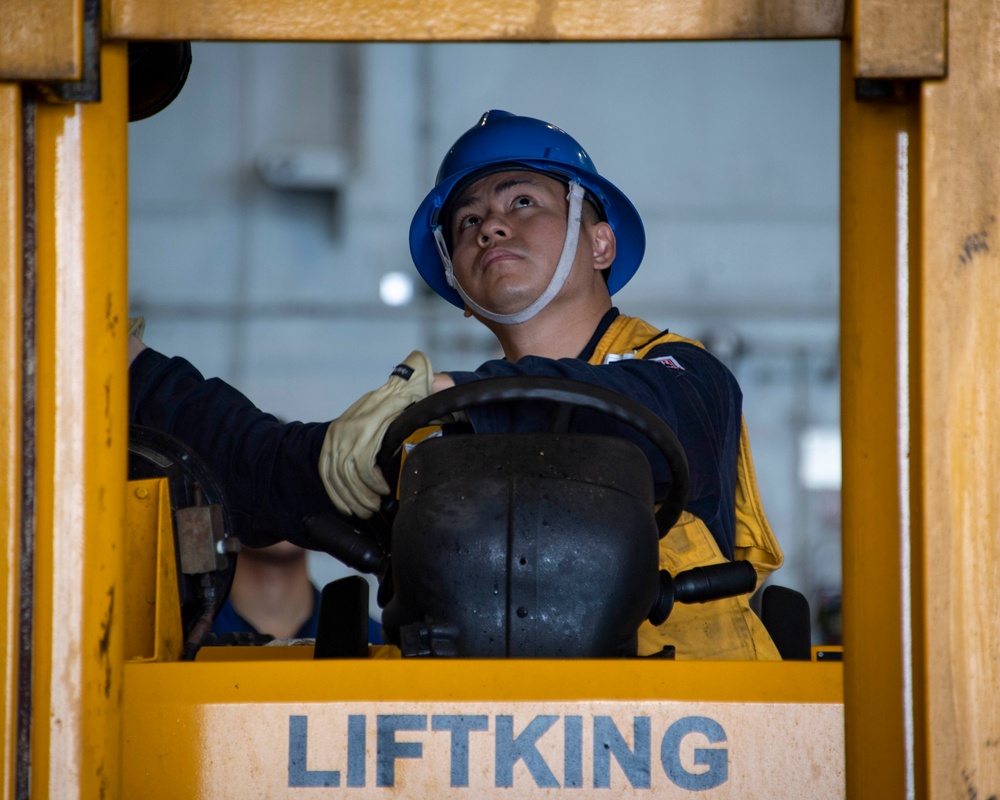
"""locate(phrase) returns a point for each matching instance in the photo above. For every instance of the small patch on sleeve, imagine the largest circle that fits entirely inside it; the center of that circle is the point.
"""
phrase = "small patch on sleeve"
(611, 358)
(668, 361)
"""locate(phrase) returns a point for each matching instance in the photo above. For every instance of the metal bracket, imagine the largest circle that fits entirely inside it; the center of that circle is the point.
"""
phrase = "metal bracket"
(87, 90)
(201, 539)
(419, 640)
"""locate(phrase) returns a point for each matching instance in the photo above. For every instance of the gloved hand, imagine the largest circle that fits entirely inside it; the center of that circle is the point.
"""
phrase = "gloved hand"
(347, 461)
(136, 327)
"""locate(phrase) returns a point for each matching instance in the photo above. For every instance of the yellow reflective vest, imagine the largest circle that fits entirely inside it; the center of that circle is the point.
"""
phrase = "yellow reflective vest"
(721, 629)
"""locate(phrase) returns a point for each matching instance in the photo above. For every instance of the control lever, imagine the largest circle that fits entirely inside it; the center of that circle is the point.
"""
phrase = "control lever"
(700, 585)
(357, 549)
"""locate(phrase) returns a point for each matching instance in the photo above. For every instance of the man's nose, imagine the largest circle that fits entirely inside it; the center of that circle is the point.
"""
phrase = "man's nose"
(493, 227)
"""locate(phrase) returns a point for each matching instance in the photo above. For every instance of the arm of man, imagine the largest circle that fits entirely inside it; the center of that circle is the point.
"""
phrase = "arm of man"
(268, 469)
(683, 384)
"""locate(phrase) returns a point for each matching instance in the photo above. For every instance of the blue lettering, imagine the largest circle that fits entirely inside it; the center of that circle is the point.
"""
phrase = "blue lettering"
(460, 725)
(388, 749)
(573, 752)
(356, 747)
(716, 759)
(608, 742)
(510, 750)
(298, 744)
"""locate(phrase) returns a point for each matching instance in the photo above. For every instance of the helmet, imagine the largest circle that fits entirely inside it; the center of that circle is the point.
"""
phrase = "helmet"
(503, 141)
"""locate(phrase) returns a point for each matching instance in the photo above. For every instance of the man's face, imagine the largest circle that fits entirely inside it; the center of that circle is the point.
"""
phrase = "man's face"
(507, 232)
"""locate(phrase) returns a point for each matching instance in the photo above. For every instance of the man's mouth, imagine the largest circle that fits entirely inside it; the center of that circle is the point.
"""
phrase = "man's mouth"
(495, 254)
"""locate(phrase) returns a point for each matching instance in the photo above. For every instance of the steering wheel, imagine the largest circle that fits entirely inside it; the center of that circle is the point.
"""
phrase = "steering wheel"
(566, 397)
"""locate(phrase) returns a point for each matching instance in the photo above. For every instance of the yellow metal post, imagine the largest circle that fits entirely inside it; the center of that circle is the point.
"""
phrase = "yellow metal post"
(879, 143)
(10, 422)
(959, 392)
(80, 444)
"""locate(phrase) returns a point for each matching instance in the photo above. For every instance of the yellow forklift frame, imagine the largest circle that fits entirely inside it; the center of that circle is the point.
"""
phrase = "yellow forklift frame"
(90, 710)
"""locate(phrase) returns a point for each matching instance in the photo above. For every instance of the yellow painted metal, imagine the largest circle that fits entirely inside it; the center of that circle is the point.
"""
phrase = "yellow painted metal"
(899, 40)
(41, 40)
(959, 391)
(10, 421)
(435, 679)
(874, 212)
(80, 445)
(240, 655)
(475, 20)
(454, 679)
(152, 617)
(165, 731)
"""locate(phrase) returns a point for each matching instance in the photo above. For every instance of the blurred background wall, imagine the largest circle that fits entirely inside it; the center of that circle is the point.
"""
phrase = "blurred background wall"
(271, 199)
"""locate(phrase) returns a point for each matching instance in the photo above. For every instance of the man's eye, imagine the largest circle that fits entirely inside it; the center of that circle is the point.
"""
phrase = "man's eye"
(468, 222)
(522, 202)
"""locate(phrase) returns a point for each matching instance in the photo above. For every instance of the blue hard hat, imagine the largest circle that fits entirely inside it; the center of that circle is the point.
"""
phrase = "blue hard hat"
(503, 141)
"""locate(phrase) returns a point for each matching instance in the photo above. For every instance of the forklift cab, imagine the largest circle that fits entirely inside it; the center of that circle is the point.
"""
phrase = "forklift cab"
(97, 700)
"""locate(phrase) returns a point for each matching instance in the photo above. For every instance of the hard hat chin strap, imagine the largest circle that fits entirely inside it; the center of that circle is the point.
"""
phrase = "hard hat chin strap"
(566, 258)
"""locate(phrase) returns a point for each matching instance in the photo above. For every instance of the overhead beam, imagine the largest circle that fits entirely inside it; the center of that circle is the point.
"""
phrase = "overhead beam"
(43, 41)
(475, 20)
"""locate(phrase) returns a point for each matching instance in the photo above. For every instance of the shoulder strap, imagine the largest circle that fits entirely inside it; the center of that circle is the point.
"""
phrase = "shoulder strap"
(664, 337)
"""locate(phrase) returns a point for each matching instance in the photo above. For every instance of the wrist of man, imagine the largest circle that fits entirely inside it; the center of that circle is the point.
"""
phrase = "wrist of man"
(442, 381)
(134, 348)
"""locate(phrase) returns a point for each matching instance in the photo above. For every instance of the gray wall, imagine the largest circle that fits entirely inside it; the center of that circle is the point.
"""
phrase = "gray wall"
(728, 150)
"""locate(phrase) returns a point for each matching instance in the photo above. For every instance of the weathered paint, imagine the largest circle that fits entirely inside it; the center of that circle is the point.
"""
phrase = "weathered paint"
(873, 402)
(41, 40)
(80, 443)
(899, 40)
(476, 20)
(391, 728)
(957, 459)
(10, 422)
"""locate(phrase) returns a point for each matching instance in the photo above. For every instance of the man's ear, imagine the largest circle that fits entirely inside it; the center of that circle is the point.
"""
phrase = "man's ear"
(605, 245)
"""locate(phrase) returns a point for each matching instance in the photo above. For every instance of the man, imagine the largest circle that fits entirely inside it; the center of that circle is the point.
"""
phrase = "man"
(523, 234)
(271, 594)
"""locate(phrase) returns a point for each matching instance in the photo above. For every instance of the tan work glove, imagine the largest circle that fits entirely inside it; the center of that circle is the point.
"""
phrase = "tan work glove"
(347, 461)
(136, 327)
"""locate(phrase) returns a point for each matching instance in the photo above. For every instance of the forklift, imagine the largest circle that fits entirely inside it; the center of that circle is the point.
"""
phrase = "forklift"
(106, 691)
